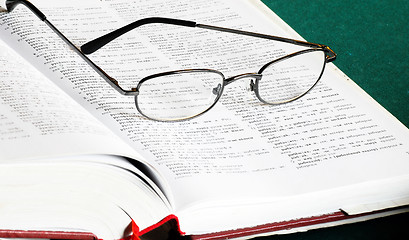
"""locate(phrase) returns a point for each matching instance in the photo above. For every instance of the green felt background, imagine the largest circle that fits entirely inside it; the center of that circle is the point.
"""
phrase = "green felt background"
(371, 39)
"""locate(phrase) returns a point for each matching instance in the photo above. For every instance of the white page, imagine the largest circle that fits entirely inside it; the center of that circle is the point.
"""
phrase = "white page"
(334, 119)
(82, 195)
(38, 120)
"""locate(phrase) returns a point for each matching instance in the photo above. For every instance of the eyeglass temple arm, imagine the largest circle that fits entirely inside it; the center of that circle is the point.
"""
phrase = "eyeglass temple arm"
(331, 54)
(97, 43)
(11, 4)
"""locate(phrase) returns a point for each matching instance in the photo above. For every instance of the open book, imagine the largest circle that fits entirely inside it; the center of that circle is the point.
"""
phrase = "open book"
(77, 158)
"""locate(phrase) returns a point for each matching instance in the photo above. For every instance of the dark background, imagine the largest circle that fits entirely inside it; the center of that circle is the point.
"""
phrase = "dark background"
(371, 39)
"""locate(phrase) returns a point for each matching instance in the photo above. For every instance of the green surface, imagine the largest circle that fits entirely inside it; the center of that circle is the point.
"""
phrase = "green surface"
(371, 39)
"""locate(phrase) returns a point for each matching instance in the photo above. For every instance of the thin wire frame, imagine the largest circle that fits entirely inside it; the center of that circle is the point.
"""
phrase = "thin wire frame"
(96, 44)
(219, 92)
(257, 82)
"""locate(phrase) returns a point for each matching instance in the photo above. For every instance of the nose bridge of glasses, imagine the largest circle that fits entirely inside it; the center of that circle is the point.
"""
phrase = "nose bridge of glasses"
(229, 80)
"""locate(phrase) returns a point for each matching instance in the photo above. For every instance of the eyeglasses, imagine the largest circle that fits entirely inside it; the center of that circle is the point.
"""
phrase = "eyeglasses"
(184, 94)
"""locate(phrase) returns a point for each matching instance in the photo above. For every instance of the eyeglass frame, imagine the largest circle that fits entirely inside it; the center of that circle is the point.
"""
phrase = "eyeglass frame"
(97, 43)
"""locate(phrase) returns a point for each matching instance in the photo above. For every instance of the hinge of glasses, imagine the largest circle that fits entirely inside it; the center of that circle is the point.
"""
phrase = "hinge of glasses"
(331, 55)
(132, 92)
(113, 80)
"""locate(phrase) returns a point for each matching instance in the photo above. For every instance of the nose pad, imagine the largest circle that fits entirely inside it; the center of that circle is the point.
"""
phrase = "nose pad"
(250, 87)
(216, 90)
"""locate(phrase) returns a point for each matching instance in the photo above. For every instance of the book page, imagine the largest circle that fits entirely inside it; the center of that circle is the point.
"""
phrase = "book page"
(240, 149)
(43, 128)
(85, 195)
(37, 119)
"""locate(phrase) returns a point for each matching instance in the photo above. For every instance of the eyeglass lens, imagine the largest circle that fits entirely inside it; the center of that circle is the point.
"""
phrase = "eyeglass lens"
(290, 78)
(180, 95)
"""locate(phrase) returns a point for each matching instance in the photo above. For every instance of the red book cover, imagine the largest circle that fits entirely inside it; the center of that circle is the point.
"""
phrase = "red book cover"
(169, 229)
